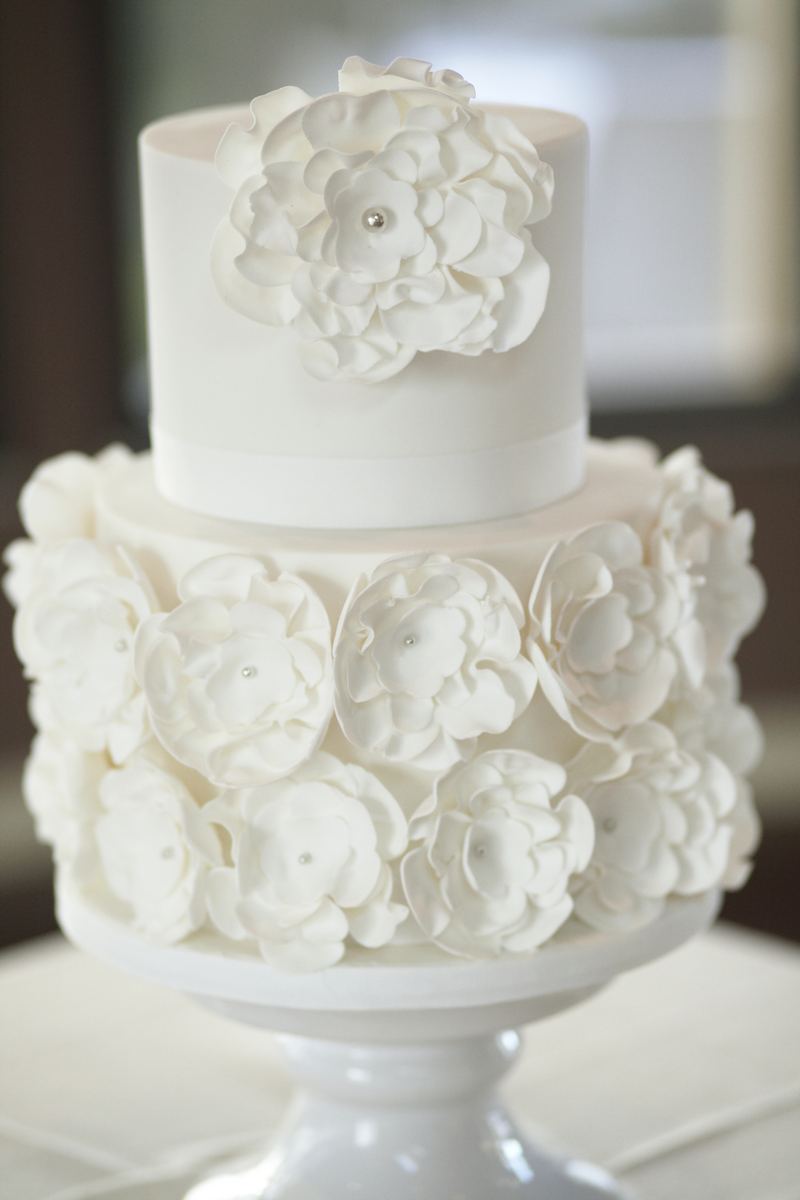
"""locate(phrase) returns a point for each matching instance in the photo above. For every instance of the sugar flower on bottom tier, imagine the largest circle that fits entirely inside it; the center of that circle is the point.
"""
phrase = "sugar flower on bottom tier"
(59, 501)
(499, 849)
(610, 634)
(693, 525)
(155, 848)
(667, 823)
(238, 677)
(390, 218)
(311, 864)
(60, 784)
(428, 657)
(745, 838)
(712, 718)
(74, 634)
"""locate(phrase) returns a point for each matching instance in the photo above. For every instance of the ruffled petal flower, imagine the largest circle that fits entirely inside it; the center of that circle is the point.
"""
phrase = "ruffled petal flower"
(606, 631)
(238, 677)
(21, 558)
(428, 657)
(668, 822)
(59, 499)
(60, 785)
(416, 202)
(497, 849)
(312, 858)
(693, 526)
(155, 849)
(58, 502)
(360, 77)
(74, 633)
(712, 718)
(746, 825)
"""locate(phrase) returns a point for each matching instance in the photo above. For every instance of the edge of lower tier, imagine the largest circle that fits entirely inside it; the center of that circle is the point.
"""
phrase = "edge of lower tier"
(621, 477)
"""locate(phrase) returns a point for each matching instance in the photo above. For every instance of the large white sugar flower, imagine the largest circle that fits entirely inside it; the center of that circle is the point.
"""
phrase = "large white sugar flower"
(59, 501)
(609, 634)
(60, 785)
(238, 677)
(664, 826)
(428, 657)
(497, 855)
(693, 525)
(311, 857)
(74, 632)
(712, 718)
(155, 848)
(384, 219)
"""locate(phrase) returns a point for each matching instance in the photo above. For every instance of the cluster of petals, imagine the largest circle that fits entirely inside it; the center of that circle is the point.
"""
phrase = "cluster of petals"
(237, 677)
(74, 633)
(428, 656)
(58, 502)
(388, 218)
(666, 821)
(496, 847)
(155, 849)
(694, 527)
(608, 633)
(311, 864)
(712, 717)
(60, 786)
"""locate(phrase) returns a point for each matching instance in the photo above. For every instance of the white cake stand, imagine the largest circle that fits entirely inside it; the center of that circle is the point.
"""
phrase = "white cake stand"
(395, 1061)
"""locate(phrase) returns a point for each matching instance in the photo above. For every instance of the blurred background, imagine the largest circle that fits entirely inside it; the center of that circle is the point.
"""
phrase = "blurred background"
(692, 290)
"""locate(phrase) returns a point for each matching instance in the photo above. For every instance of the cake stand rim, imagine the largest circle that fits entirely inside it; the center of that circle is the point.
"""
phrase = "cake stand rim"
(558, 967)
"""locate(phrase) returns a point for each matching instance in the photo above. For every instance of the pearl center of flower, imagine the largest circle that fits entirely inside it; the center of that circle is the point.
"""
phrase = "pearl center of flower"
(249, 672)
(410, 639)
(304, 859)
(374, 219)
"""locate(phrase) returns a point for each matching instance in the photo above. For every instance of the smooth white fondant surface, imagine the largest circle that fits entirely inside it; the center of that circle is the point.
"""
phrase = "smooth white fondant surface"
(285, 490)
(224, 383)
(168, 540)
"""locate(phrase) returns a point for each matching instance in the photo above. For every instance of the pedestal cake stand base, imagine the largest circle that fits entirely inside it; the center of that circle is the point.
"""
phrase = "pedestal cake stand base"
(395, 1061)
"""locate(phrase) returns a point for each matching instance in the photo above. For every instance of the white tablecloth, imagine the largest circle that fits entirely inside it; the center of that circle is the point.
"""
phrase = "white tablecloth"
(683, 1077)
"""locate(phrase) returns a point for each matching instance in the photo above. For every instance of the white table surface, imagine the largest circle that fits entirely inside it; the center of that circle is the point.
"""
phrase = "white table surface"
(683, 1077)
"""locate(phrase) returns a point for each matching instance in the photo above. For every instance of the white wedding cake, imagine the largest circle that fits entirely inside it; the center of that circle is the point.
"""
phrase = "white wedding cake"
(376, 648)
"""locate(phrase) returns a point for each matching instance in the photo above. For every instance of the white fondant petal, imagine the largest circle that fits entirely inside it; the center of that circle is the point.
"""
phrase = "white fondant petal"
(524, 299)
(457, 234)
(239, 152)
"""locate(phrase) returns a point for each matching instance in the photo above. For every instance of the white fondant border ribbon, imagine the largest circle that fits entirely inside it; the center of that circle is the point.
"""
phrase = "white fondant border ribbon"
(370, 493)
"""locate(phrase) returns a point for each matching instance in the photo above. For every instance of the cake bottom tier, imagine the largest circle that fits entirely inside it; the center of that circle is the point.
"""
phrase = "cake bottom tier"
(474, 737)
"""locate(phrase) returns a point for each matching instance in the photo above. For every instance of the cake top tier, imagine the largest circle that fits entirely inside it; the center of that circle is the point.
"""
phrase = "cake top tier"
(365, 309)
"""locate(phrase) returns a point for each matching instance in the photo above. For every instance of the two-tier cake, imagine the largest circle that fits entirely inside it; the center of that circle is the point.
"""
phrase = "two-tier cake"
(376, 647)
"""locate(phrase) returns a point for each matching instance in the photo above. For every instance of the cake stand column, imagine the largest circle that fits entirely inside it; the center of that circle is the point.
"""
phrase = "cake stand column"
(407, 1121)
